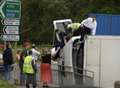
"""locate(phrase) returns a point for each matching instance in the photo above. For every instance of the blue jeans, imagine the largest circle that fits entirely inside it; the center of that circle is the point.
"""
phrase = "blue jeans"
(22, 78)
(7, 69)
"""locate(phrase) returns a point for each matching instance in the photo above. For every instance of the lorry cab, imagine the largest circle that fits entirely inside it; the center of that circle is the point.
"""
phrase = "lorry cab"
(101, 52)
(68, 59)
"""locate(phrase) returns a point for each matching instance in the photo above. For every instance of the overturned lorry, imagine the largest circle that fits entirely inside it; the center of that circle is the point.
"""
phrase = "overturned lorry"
(100, 66)
(100, 62)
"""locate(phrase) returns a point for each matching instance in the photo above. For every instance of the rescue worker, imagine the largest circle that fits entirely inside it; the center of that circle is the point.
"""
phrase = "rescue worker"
(78, 31)
(86, 27)
(74, 26)
(89, 25)
(29, 69)
(59, 41)
(75, 29)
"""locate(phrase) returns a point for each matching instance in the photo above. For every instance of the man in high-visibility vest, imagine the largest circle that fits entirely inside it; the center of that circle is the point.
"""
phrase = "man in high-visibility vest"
(75, 29)
(74, 26)
(29, 68)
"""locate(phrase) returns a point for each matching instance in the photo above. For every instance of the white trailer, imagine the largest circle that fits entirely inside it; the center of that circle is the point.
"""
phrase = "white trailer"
(102, 56)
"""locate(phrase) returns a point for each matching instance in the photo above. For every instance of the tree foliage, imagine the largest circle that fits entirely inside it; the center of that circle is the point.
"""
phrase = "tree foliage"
(37, 15)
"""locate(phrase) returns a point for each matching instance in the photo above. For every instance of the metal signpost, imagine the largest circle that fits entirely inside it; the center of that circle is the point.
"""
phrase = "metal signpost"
(10, 12)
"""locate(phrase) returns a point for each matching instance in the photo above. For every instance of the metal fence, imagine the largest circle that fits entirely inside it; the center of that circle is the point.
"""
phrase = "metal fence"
(61, 75)
(66, 77)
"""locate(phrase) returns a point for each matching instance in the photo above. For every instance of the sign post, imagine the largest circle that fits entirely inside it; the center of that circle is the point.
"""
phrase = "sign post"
(10, 11)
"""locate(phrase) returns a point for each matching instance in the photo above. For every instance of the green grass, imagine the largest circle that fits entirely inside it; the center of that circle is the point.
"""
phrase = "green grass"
(4, 84)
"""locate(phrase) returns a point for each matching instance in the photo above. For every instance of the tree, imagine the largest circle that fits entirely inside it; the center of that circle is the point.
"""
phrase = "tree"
(37, 15)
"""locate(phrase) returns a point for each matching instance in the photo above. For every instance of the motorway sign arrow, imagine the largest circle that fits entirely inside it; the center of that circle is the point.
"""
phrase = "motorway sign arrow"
(10, 37)
(1, 11)
(10, 22)
(10, 9)
(11, 30)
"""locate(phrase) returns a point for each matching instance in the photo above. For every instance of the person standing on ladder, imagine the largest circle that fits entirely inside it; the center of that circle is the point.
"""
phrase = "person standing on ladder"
(88, 27)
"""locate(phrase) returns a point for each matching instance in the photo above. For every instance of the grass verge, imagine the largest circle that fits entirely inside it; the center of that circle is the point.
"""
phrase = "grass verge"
(4, 84)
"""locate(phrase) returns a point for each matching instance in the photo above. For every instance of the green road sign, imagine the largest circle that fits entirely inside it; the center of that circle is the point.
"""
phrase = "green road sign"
(10, 9)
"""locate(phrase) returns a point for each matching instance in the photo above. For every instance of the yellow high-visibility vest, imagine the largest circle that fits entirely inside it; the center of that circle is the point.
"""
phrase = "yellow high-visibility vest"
(27, 66)
(74, 26)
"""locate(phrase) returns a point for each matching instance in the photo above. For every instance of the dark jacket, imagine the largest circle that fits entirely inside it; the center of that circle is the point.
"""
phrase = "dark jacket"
(34, 66)
(46, 58)
(7, 57)
(60, 43)
(22, 56)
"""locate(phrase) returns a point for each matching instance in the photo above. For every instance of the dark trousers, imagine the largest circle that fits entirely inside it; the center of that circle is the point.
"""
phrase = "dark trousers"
(31, 79)
(82, 31)
(85, 31)
(22, 78)
(80, 53)
(22, 75)
(80, 58)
